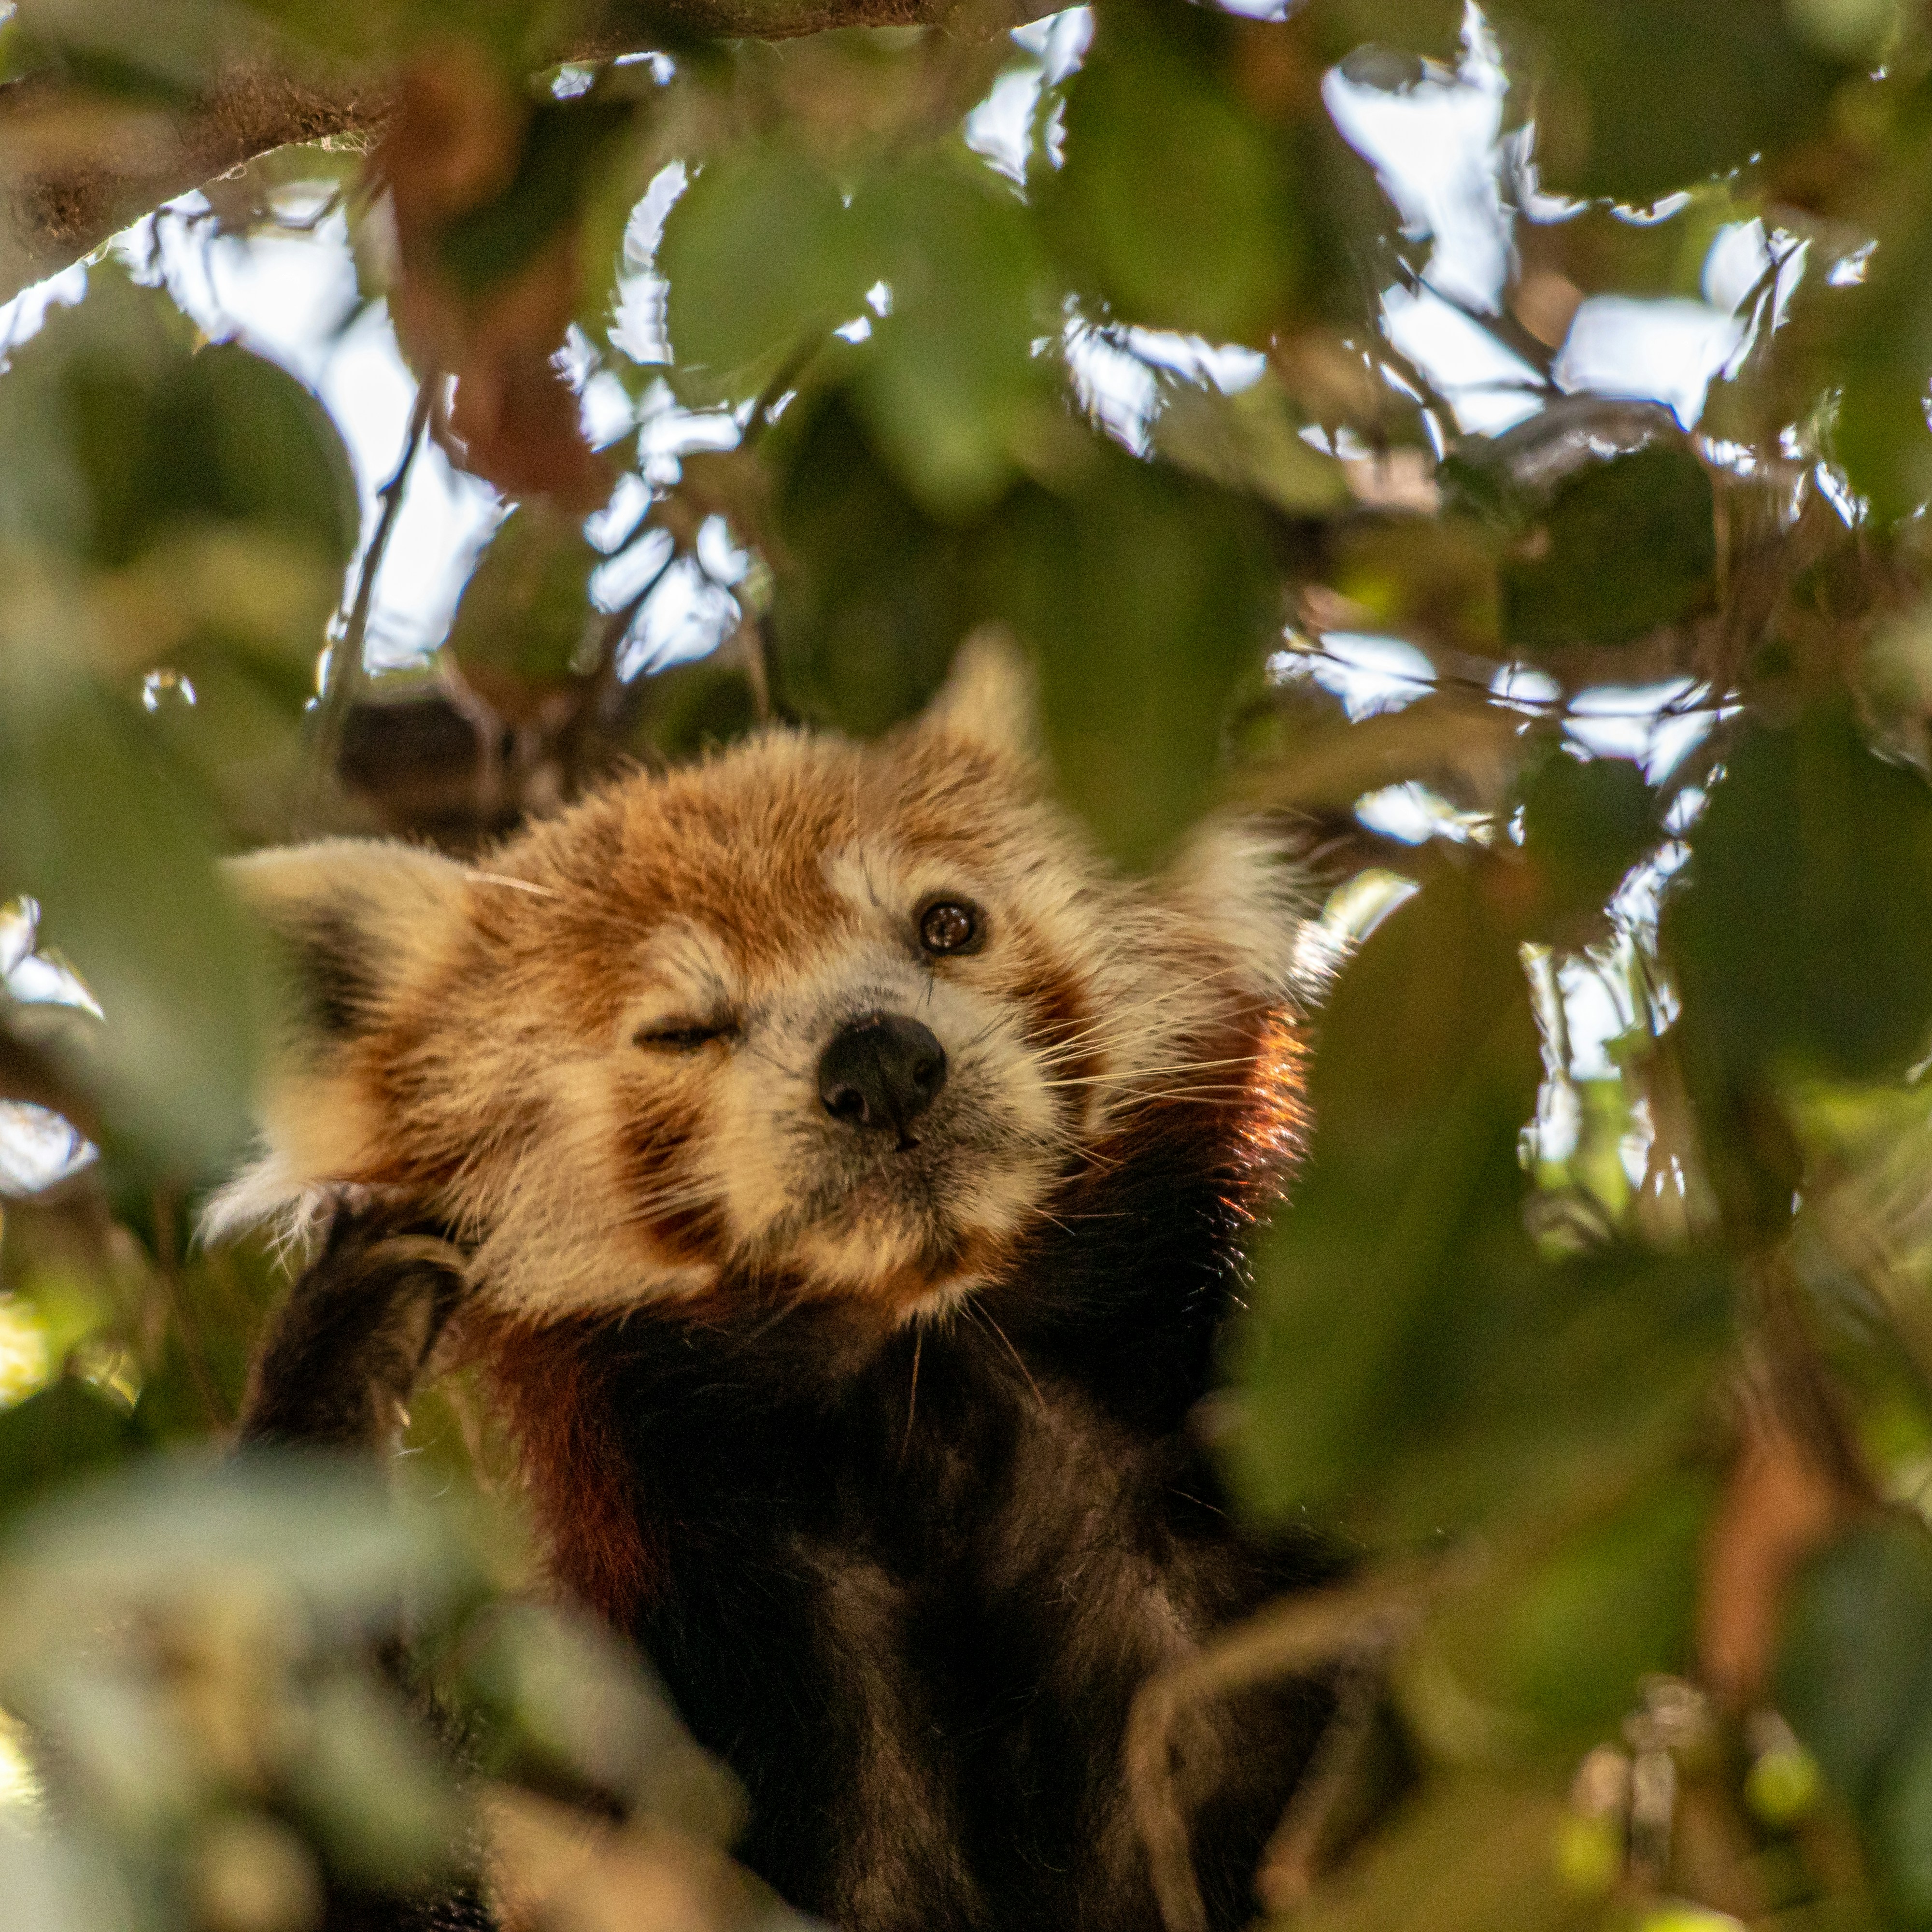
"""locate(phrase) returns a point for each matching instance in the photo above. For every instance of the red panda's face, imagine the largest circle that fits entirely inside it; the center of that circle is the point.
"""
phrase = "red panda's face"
(809, 1018)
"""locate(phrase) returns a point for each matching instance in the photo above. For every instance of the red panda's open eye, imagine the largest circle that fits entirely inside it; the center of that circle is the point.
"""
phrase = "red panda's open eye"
(684, 1036)
(949, 925)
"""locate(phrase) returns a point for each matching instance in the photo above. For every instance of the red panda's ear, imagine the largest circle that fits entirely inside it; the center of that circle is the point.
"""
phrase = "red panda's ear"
(1239, 879)
(989, 699)
(355, 921)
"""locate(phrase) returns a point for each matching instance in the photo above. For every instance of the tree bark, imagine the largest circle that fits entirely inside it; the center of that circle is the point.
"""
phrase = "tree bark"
(76, 165)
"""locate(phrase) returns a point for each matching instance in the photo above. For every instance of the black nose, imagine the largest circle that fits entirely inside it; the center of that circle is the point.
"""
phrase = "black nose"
(881, 1070)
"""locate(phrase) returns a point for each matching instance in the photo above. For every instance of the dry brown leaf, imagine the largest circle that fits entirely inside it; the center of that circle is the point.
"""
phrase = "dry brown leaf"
(1779, 1506)
(453, 146)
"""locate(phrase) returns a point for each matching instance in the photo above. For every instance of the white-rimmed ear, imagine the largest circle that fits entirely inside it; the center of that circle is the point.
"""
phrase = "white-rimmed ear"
(355, 921)
(989, 698)
(1239, 877)
(357, 924)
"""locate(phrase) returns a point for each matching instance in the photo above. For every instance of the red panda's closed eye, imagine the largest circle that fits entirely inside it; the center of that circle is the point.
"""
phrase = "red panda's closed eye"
(682, 1036)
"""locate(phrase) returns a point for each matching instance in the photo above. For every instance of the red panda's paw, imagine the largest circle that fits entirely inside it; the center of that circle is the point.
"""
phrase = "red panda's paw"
(344, 1350)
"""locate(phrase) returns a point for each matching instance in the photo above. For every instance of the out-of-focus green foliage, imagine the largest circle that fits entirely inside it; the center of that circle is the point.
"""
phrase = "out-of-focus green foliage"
(1600, 1322)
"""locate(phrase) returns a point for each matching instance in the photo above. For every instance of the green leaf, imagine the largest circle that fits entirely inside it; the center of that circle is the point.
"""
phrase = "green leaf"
(1147, 596)
(232, 436)
(1880, 432)
(1857, 1651)
(1854, 1677)
(118, 849)
(1585, 822)
(761, 260)
(1407, 1214)
(67, 1430)
(1556, 1636)
(1798, 936)
(525, 615)
(1413, 1364)
(953, 391)
(1429, 29)
(119, 436)
(1176, 203)
(1634, 100)
(1475, 1847)
(874, 592)
(1249, 441)
(1623, 546)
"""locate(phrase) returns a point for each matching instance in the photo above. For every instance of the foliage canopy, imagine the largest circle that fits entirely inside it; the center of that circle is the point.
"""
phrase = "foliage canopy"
(1601, 1321)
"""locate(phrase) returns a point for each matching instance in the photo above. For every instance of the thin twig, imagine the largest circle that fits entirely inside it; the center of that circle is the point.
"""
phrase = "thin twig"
(344, 680)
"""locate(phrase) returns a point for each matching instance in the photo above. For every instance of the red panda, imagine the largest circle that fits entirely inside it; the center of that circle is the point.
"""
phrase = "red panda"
(849, 1171)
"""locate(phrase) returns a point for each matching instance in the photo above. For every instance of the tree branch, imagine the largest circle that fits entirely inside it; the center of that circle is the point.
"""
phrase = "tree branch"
(76, 165)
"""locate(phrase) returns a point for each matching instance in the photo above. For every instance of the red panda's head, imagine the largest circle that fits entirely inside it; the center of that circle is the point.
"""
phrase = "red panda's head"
(810, 1016)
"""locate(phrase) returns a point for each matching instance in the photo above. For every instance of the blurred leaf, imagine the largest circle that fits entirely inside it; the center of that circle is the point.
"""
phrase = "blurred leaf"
(126, 436)
(1798, 935)
(268, 1528)
(687, 709)
(1625, 546)
(1885, 339)
(1412, 1363)
(1854, 1679)
(233, 436)
(525, 625)
(954, 393)
(1585, 822)
(572, 1698)
(874, 592)
(1431, 28)
(67, 1431)
(1553, 1640)
(1426, 1070)
(388, 1808)
(761, 259)
(1176, 203)
(1250, 441)
(1649, 96)
(1478, 1849)
(94, 823)
(1855, 1669)
(1147, 596)
(1466, 750)
(1432, 578)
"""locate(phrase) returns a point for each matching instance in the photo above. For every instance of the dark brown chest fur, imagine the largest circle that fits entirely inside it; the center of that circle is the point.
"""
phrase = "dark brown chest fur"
(908, 1585)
